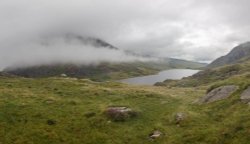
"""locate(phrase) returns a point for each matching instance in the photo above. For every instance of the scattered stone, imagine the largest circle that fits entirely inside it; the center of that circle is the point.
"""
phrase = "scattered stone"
(120, 113)
(50, 100)
(245, 96)
(51, 122)
(179, 117)
(155, 134)
(63, 75)
(219, 93)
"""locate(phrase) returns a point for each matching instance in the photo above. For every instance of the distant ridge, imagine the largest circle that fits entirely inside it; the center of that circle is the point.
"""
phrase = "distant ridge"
(239, 52)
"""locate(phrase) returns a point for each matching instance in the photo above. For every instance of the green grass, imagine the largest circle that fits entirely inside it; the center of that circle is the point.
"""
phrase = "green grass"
(63, 110)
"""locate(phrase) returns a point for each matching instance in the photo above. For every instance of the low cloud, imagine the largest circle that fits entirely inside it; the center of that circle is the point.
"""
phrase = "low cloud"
(61, 51)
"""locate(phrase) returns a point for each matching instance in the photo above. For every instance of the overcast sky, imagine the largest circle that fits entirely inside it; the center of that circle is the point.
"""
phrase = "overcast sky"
(199, 30)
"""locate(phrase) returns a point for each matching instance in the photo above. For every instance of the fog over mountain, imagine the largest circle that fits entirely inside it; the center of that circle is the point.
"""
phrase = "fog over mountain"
(67, 49)
(198, 30)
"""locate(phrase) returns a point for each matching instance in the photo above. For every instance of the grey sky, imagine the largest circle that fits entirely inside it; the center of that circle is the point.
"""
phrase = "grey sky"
(199, 30)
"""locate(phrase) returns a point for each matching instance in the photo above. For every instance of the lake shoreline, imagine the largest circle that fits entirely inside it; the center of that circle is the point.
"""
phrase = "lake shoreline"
(174, 74)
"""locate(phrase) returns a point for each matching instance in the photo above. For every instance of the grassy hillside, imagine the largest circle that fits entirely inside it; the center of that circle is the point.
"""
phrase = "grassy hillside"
(104, 71)
(65, 110)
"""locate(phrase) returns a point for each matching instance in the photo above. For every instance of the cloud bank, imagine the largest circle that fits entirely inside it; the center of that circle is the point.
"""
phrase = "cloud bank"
(199, 30)
(65, 50)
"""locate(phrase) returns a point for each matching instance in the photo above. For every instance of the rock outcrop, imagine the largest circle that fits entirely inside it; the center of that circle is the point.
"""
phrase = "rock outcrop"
(219, 93)
(245, 96)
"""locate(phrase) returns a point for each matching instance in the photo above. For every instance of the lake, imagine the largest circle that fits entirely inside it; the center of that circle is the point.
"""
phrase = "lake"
(174, 74)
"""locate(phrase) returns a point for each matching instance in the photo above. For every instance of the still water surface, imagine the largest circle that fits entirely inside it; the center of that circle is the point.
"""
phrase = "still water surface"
(174, 74)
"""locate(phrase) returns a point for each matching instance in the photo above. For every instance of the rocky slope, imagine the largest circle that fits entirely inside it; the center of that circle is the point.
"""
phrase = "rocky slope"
(240, 52)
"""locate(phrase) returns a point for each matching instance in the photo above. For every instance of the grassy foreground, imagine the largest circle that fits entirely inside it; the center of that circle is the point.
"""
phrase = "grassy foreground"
(71, 111)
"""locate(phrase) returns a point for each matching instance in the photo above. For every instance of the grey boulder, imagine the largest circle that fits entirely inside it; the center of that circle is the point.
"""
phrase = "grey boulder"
(219, 93)
(245, 96)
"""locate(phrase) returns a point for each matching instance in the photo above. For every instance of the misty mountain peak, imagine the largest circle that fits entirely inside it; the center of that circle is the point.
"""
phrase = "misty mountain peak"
(72, 38)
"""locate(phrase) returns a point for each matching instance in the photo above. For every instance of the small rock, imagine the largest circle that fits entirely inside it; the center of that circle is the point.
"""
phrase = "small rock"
(155, 134)
(245, 96)
(179, 117)
(49, 101)
(219, 93)
(63, 75)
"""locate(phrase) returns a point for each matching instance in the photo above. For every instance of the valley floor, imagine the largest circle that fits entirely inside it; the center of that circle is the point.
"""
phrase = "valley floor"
(67, 110)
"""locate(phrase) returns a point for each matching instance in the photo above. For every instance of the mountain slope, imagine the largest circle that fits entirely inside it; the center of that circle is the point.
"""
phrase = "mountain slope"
(234, 65)
(239, 52)
(101, 70)
(104, 71)
(212, 76)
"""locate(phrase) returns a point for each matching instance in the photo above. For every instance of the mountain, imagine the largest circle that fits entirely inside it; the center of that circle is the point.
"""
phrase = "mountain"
(103, 70)
(70, 38)
(239, 52)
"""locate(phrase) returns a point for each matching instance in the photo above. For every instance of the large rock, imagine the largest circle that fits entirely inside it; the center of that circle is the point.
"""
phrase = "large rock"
(245, 96)
(120, 113)
(219, 93)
